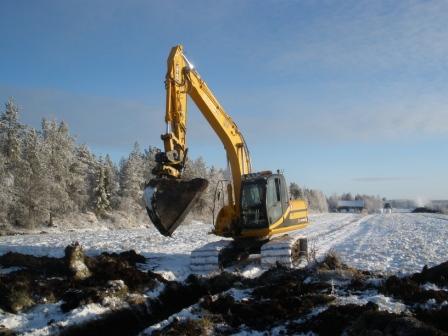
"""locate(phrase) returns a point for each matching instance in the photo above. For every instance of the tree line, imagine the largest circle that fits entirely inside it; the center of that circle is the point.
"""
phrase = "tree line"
(317, 200)
(45, 175)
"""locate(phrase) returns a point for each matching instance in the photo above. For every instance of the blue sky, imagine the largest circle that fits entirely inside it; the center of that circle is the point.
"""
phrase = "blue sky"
(341, 95)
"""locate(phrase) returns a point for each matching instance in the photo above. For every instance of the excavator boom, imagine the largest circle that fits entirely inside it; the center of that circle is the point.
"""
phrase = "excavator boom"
(168, 197)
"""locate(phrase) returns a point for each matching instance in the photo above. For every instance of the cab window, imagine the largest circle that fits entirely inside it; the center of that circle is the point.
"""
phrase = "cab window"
(273, 199)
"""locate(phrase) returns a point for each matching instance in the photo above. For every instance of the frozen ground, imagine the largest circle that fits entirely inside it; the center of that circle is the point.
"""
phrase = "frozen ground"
(397, 242)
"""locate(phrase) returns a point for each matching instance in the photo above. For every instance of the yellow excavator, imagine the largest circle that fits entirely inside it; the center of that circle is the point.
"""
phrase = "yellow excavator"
(259, 213)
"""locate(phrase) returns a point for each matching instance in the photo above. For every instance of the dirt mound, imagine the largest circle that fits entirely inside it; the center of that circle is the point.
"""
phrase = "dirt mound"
(374, 322)
(410, 289)
(332, 321)
(45, 265)
(435, 317)
(318, 299)
(175, 297)
(437, 274)
(425, 210)
(75, 279)
(262, 314)
(303, 301)
(203, 326)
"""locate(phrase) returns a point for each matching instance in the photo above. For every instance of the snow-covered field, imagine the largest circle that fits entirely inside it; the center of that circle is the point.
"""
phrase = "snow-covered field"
(397, 242)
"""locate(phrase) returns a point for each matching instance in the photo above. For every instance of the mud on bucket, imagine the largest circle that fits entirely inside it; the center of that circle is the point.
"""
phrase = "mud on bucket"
(168, 201)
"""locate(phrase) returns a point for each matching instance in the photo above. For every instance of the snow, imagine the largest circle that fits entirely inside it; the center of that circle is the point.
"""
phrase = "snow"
(46, 319)
(384, 302)
(7, 270)
(188, 313)
(155, 292)
(168, 256)
(431, 286)
(397, 242)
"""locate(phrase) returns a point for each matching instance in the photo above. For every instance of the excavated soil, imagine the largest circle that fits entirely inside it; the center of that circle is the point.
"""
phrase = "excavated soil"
(288, 301)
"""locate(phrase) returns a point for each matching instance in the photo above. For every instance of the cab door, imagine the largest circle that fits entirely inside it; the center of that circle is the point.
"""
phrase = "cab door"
(274, 206)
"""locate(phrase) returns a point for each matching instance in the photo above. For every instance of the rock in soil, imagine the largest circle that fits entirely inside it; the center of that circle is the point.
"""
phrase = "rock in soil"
(75, 258)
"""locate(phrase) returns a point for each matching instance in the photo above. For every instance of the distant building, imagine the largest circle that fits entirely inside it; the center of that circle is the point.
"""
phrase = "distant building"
(350, 206)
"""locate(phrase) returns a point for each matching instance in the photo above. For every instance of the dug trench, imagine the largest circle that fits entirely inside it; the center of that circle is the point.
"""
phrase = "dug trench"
(291, 301)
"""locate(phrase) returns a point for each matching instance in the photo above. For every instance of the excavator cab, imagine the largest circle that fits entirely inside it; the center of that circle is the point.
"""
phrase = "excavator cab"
(264, 199)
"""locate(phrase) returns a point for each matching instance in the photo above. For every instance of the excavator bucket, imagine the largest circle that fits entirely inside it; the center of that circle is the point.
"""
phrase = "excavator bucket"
(168, 201)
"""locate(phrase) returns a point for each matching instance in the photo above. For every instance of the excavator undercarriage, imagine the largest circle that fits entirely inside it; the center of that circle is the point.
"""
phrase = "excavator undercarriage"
(288, 251)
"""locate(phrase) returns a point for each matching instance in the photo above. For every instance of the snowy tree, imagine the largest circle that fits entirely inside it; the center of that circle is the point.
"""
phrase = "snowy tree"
(112, 183)
(10, 133)
(132, 181)
(102, 196)
(6, 182)
(295, 191)
(15, 169)
(59, 149)
(149, 158)
(316, 200)
(371, 203)
(214, 175)
(193, 169)
(347, 197)
(36, 183)
(333, 202)
(81, 179)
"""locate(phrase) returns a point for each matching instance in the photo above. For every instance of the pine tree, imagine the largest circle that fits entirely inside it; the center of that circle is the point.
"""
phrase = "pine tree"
(15, 168)
(295, 191)
(102, 196)
(82, 178)
(111, 182)
(149, 159)
(193, 169)
(131, 181)
(214, 175)
(6, 182)
(10, 133)
(333, 202)
(36, 185)
(347, 197)
(59, 149)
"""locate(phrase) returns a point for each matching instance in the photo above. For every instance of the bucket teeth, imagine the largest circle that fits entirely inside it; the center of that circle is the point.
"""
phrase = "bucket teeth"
(168, 201)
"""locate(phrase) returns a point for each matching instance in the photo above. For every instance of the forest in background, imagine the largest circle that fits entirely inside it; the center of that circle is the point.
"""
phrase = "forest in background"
(45, 176)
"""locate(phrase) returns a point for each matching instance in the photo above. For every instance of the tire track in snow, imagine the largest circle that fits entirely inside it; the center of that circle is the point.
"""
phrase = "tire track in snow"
(326, 233)
(432, 216)
(323, 241)
(395, 242)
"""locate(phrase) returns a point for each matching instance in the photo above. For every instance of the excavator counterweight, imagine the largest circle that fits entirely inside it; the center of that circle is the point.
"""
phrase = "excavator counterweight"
(168, 201)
